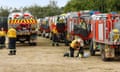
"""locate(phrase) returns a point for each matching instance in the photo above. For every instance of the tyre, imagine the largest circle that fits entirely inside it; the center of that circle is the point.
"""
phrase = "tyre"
(22, 41)
(50, 38)
(66, 43)
(43, 35)
(57, 44)
(92, 51)
(53, 44)
(103, 56)
(34, 43)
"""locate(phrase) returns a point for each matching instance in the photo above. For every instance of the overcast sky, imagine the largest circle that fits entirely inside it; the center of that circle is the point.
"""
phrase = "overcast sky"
(23, 3)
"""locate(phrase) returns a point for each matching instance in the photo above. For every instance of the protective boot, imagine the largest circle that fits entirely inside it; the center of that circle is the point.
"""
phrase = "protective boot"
(57, 44)
(0, 46)
(14, 52)
(10, 53)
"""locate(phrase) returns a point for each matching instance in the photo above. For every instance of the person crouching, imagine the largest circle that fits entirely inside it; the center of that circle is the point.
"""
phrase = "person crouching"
(76, 44)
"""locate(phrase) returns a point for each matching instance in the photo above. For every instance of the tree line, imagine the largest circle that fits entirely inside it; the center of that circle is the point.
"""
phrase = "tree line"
(99, 5)
(73, 5)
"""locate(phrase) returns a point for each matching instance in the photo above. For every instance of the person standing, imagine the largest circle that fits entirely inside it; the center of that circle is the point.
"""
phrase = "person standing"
(83, 23)
(55, 37)
(33, 37)
(12, 41)
(2, 37)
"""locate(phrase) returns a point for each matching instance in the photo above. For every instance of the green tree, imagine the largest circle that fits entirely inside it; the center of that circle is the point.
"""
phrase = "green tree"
(4, 12)
(50, 10)
(76, 5)
(101, 5)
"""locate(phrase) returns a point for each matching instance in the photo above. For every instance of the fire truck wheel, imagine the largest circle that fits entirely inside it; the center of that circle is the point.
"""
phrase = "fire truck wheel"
(92, 51)
(34, 44)
(43, 35)
(66, 44)
(47, 36)
(103, 56)
(57, 44)
(22, 41)
(39, 34)
(53, 44)
(50, 38)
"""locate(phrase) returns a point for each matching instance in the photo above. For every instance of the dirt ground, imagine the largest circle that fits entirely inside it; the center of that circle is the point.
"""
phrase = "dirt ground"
(46, 58)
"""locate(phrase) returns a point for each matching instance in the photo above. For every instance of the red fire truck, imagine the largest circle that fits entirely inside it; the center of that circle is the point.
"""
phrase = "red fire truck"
(104, 39)
(40, 30)
(60, 23)
(44, 27)
(25, 25)
(74, 28)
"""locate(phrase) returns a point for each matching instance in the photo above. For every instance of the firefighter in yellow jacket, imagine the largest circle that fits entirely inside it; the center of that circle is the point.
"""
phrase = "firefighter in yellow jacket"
(76, 44)
(2, 37)
(115, 35)
(12, 41)
(55, 37)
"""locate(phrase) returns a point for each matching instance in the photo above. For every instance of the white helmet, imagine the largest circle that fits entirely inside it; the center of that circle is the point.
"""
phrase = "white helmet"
(80, 41)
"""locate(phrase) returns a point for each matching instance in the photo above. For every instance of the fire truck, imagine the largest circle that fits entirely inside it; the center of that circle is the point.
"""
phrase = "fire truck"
(25, 25)
(59, 22)
(103, 36)
(40, 30)
(44, 27)
(74, 28)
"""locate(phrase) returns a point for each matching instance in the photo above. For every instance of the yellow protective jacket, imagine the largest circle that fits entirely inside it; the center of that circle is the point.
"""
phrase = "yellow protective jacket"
(74, 44)
(2, 33)
(115, 35)
(55, 31)
(11, 33)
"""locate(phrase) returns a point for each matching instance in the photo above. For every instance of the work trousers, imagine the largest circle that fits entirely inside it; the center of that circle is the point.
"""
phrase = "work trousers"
(2, 41)
(81, 51)
(12, 44)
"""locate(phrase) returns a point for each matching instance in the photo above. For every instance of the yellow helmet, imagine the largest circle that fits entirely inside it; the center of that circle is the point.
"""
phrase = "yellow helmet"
(115, 30)
(61, 20)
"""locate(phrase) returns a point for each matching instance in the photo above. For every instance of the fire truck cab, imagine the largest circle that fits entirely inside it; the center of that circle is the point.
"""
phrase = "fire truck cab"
(59, 22)
(75, 27)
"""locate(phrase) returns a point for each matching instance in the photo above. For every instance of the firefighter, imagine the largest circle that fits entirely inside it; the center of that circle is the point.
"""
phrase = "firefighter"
(61, 29)
(114, 35)
(2, 37)
(55, 37)
(76, 44)
(83, 23)
(12, 41)
(33, 36)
